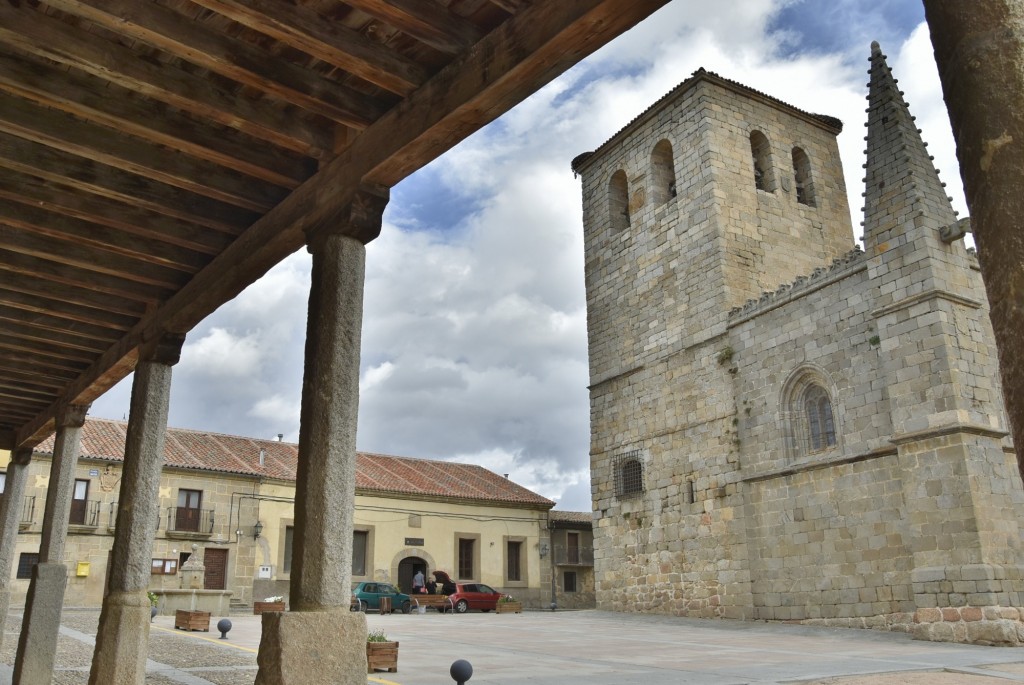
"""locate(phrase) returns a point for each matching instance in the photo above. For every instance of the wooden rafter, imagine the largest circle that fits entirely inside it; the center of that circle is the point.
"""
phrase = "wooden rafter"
(157, 156)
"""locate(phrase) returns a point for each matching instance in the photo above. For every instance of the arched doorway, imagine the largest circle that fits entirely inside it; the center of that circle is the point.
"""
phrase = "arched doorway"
(407, 568)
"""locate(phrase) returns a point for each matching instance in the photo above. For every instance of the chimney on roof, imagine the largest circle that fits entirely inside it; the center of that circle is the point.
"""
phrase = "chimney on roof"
(263, 456)
(506, 475)
(280, 437)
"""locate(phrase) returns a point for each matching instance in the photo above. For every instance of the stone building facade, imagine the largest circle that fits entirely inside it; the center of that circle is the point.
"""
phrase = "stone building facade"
(785, 426)
(231, 500)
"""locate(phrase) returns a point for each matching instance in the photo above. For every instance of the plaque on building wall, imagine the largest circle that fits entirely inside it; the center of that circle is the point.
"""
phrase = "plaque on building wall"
(414, 542)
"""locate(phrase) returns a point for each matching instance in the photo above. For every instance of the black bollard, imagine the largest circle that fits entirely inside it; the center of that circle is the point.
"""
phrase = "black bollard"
(223, 626)
(461, 671)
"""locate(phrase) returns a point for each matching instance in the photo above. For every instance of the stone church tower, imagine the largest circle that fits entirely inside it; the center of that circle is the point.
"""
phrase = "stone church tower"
(784, 426)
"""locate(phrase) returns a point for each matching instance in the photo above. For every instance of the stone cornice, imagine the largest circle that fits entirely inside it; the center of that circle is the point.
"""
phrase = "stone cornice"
(924, 297)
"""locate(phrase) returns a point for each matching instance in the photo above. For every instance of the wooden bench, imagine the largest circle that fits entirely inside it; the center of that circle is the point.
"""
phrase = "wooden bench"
(439, 602)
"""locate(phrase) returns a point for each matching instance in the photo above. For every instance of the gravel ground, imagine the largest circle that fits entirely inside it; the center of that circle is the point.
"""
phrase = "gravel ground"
(202, 659)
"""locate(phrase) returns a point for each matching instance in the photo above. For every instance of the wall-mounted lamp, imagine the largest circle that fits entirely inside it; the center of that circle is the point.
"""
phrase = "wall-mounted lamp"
(543, 550)
(256, 530)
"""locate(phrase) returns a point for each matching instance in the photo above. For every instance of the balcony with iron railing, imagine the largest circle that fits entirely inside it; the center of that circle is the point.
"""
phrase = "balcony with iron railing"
(112, 517)
(573, 556)
(85, 514)
(186, 522)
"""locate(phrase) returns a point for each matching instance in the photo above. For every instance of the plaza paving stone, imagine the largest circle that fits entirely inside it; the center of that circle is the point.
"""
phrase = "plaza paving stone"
(569, 648)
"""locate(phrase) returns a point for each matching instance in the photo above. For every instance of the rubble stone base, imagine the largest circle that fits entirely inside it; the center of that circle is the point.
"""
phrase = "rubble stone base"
(991, 625)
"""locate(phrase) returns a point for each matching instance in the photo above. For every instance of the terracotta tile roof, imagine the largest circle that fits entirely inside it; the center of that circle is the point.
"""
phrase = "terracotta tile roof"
(375, 473)
(570, 519)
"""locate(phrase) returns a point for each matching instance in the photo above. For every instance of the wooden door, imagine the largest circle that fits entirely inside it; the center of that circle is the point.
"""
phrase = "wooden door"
(216, 563)
(79, 501)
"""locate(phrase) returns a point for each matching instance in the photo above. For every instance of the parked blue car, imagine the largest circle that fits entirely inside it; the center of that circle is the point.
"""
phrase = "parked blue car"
(366, 595)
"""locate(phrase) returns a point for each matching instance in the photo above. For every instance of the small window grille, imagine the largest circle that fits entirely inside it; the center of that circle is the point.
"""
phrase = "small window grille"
(629, 474)
(569, 581)
(26, 561)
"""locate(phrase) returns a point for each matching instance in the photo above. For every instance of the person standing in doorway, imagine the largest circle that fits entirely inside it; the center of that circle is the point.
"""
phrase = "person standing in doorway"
(417, 582)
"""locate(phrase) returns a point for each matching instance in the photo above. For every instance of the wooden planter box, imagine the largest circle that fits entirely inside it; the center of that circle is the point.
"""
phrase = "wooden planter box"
(509, 607)
(259, 607)
(192, 620)
(382, 656)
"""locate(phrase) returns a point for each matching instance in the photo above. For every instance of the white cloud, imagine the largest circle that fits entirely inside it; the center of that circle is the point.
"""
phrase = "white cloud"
(474, 338)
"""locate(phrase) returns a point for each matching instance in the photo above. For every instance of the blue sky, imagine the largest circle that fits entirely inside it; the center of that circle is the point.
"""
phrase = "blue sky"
(474, 335)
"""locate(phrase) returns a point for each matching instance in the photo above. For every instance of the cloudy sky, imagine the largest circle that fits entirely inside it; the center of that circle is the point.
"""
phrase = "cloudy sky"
(474, 332)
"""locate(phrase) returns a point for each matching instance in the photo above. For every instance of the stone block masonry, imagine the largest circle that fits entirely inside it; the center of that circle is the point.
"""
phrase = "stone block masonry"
(785, 426)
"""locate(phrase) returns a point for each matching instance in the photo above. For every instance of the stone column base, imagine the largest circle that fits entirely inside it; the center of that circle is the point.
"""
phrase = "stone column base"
(302, 647)
(122, 642)
(37, 645)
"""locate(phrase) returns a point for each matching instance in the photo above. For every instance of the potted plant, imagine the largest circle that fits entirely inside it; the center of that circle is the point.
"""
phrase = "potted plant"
(381, 653)
(508, 605)
(275, 603)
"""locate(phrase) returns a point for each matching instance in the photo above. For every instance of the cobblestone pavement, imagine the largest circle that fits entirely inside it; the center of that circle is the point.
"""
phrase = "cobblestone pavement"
(566, 648)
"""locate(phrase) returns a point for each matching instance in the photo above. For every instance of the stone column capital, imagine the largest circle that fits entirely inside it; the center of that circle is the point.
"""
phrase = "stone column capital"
(21, 456)
(163, 349)
(360, 219)
(72, 415)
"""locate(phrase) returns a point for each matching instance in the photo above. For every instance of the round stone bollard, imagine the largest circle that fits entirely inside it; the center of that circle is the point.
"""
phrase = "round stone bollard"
(461, 671)
(224, 625)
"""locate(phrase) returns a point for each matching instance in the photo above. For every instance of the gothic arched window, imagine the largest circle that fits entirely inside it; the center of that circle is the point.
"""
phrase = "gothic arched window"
(809, 421)
(821, 426)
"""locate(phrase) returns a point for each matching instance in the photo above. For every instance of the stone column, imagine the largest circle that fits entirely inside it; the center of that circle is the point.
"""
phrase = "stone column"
(41, 624)
(979, 47)
(10, 517)
(292, 649)
(122, 639)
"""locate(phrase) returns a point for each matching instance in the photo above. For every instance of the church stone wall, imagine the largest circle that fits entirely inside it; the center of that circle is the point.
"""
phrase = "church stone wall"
(713, 311)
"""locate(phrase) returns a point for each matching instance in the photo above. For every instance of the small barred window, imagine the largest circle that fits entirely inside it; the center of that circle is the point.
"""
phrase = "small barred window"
(821, 426)
(629, 474)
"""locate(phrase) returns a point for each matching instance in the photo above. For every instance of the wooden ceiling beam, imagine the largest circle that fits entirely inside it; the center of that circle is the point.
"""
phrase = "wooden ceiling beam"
(59, 227)
(66, 300)
(91, 99)
(39, 34)
(18, 391)
(330, 42)
(85, 175)
(18, 378)
(34, 304)
(34, 191)
(499, 71)
(64, 277)
(86, 335)
(89, 259)
(16, 410)
(509, 64)
(14, 362)
(428, 22)
(17, 348)
(195, 43)
(69, 134)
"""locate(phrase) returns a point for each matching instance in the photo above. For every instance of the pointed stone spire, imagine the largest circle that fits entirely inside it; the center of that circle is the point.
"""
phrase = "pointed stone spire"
(902, 184)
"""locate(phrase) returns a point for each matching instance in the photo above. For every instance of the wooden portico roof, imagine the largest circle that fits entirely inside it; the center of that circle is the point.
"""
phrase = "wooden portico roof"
(158, 156)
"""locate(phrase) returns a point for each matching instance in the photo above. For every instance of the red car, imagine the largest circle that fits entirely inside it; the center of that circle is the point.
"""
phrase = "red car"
(466, 596)
(474, 596)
